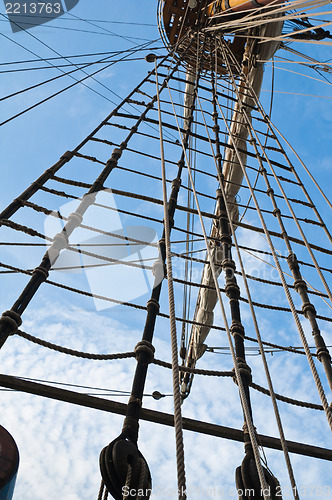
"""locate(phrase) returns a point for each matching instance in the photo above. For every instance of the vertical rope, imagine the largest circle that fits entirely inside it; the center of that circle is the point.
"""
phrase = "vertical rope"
(143, 473)
(128, 480)
(268, 122)
(175, 366)
(300, 286)
(262, 350)
(101, 490)
(282, 277)
(290, 301)
(251, 429)
(306, 169)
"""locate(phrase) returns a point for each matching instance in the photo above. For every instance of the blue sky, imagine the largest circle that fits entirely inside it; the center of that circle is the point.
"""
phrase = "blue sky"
(60, 444)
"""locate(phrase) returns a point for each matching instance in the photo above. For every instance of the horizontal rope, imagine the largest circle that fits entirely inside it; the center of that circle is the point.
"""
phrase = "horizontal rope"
(144, 174)
(197, 371)
(284, 399)
(24, 229)
(157, 201)
(73, 352)
(279, 347)
(110, 357)
(107, 299)
(269, 344)
(126, 355)
(243, 299)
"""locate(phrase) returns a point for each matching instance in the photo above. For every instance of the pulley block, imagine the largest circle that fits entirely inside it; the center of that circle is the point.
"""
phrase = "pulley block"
(248, 484)
(125, 471)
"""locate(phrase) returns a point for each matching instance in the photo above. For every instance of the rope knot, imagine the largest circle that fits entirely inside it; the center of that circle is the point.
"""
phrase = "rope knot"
(40, 270)
(232, 291)
(158, 270)
(237, 329)
(323, 352)
(228, 264)
(299, 285)
(68, 155)
(130, 428)
(176, 183)
(116, 154)
(76, 218)
(60, 241)
(147, 347)
(219, 195)
(11, 319)
(292, 261)
(153, 304)
(308, 307)
(244, 370)
(136, 401)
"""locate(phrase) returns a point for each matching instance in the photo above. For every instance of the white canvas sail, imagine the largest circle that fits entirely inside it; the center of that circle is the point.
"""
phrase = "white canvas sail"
(233, 174)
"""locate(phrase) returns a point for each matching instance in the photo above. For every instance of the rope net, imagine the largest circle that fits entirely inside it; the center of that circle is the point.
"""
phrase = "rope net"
(99, 214)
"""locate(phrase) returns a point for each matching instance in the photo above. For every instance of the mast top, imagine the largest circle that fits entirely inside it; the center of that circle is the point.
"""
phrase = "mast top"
(183, 22)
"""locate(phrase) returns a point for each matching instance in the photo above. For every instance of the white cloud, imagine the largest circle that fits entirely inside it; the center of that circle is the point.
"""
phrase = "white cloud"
(60, 443)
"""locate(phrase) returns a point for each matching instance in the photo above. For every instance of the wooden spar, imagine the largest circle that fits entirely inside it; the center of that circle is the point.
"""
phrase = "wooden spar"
(189, 424)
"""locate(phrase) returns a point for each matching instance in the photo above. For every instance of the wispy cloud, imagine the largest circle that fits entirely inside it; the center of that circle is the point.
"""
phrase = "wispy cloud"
(60, 443)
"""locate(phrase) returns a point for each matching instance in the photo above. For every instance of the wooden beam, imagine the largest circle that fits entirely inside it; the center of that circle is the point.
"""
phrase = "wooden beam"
(158, 417)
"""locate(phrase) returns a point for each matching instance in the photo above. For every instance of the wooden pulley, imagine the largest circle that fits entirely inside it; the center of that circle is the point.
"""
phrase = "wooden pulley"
(124, 470)
(248, 484)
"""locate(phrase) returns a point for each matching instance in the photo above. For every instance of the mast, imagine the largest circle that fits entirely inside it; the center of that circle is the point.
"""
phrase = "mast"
(250, 84)
(189, 159)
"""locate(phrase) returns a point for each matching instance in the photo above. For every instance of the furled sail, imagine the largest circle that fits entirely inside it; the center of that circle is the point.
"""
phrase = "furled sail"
(233, 175)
